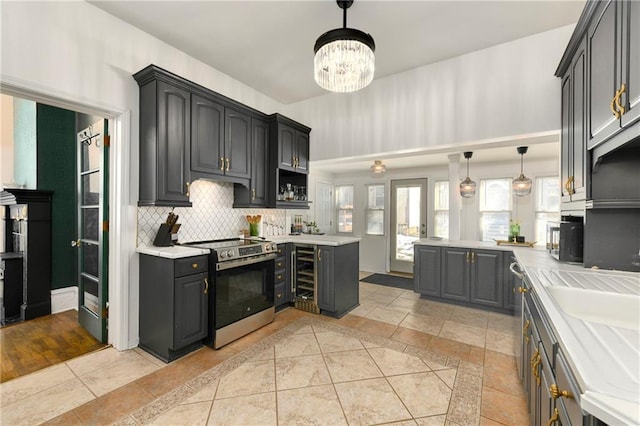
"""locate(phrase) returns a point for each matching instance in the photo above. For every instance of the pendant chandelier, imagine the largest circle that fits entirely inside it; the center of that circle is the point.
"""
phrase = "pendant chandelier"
(344, 60)
(522, 184)
(467, 186)
(378, 167)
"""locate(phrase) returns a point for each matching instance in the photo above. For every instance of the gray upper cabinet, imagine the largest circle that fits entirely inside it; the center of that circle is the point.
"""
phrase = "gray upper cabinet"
(165, 136)
(237, 158)
(604, 71)
(573, 164)
(426, 272)
(257, 194)
(293, 146)
(631, 62)
(207, 133)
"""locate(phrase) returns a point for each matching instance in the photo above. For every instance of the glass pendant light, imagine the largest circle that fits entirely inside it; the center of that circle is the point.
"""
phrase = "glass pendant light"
(378, 167)
(344, 60)
(467, 186)
(522, 184)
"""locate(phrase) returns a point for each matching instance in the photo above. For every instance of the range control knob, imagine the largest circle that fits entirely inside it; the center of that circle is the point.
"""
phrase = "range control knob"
(274, 247)
(230, 253)
(223, 254)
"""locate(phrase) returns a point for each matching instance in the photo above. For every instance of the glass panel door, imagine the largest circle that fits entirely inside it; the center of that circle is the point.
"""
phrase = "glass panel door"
(92, 242)
(408, 221)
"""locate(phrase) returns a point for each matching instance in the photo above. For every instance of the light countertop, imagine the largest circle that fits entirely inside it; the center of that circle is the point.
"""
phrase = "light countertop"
(174, 252)
(604, 358)
(320, 240)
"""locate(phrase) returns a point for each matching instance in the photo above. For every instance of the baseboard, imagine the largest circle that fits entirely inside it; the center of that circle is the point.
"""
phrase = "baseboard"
(63, 299)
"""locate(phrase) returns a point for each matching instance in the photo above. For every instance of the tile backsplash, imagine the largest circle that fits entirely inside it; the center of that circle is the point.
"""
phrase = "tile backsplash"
(211, 216)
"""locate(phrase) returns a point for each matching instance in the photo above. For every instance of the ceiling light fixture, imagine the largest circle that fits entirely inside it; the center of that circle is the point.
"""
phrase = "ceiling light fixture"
(344, 60)
(378, 167)
(522, 184)
(467, 186)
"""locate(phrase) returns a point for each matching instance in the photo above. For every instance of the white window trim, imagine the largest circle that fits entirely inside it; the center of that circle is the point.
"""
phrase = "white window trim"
(338, 209)
(368, 209)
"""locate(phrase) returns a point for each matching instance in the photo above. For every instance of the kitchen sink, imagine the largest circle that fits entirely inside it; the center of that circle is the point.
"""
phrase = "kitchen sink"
(612, 309)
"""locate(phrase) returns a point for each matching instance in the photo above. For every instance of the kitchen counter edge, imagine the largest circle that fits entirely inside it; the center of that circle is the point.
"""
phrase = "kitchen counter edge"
(174, 252)
(320, 240)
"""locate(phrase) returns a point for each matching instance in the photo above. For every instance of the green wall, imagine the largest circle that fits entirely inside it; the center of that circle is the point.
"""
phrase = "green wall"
(56, 134)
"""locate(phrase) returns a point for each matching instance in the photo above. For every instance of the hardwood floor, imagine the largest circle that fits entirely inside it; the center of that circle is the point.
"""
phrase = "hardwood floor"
(29, 346)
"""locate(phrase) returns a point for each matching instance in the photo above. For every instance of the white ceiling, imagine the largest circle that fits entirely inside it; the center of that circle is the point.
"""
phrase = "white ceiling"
(268, 45)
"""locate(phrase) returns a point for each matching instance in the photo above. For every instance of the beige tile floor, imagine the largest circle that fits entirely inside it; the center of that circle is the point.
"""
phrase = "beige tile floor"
(440, 363)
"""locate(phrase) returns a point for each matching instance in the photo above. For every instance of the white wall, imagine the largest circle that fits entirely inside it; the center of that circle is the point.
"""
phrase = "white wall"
(374, 250)
(6, 139)
(504, 90)
(84, 56)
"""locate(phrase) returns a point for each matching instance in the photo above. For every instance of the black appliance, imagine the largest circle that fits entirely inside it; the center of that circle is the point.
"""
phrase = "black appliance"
(242, 274)
(565, 239)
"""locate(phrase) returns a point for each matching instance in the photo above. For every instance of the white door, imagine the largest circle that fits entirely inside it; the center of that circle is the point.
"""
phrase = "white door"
(324, 206)
(408, 221)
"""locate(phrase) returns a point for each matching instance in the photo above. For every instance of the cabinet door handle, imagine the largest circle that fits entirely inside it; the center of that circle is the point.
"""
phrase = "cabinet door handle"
(535, 362)
(319, 255)
(613, 104)
(554, 418)
(569, 186)
(557, 393)
(473, 257)
(187, 184)
(522, 290)
(293, 272)
(206, 285)
(222, 164)
(194, 265)
(619, 108)
(227, 165)
(253, 194)
(524, 330)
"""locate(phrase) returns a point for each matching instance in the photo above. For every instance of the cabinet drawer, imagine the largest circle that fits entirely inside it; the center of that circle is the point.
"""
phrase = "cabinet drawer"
(280, 263)
(564, 382)
(190, 265)
(279, 296)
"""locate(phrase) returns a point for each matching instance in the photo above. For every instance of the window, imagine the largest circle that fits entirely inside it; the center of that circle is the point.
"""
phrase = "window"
(495, 209)
(344, 200)
(441, 209)
(375, 210)
(547, 205)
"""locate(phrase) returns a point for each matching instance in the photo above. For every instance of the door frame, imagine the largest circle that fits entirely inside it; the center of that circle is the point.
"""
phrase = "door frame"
(122, 212)
(396, 265)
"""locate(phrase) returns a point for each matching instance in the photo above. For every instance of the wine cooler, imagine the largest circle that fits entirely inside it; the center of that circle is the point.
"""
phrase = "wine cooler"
(304, 278)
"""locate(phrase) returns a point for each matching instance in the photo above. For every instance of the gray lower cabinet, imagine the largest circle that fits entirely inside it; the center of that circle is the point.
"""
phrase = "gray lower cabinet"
(426, 270)
(282, 293)
(473, 277)
(173, 305)
(338, 282)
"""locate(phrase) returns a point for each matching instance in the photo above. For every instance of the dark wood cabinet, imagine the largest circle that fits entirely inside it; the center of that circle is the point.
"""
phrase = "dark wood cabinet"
(302, 151)
(426, 272)
(207, 135)
(173, 305)
(337, 274)
(165, 137)
(510, 293)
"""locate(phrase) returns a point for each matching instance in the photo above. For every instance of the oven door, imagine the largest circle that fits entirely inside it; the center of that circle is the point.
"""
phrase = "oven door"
(242, 289)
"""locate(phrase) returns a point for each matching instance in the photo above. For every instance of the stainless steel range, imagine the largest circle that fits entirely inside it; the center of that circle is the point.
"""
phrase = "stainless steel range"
(242, 273)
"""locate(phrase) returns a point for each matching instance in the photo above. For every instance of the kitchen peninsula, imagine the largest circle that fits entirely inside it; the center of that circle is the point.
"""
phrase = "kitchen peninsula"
(574, 322)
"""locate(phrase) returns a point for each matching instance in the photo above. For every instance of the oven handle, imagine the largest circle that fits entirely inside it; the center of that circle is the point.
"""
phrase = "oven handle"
(242, 262)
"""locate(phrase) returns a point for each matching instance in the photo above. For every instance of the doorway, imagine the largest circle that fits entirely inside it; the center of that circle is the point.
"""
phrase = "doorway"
(77, 173)
(408, 221)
